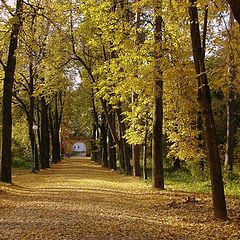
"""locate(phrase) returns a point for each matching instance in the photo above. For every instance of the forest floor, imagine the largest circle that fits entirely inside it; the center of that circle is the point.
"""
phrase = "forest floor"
(78, 199)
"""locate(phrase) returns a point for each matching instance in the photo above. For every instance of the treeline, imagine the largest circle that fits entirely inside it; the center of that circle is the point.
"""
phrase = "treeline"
(147, 66)
(36, 101)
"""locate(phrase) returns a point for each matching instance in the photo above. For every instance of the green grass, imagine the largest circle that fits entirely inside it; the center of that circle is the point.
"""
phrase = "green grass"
(183, 180)
(21, 163)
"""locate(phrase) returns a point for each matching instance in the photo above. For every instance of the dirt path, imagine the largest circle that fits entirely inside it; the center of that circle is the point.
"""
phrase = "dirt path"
(77, 199)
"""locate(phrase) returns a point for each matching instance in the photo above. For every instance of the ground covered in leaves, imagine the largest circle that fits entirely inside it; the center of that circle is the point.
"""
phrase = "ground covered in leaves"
(77, 199)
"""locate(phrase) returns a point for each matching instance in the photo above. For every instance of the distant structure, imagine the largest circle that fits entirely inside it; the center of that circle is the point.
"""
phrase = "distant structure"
(72, 144)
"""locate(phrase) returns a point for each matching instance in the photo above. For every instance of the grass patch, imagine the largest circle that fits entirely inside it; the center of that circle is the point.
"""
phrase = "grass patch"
(21, 163)
(183, 180)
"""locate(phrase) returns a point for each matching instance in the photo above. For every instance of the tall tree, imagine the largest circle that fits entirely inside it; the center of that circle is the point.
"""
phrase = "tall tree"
(104, 152)
(55, 119)
(204, 97)
(44, 134)
(6, 160)
(111, 146)
(157, 137)
(229, 154)
(136, 147)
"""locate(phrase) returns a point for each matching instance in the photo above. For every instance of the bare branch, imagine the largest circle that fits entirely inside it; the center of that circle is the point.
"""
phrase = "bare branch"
(3, 65)
(9, 9)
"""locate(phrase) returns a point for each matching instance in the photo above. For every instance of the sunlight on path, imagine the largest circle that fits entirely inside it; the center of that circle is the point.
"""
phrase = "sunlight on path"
(77, 199)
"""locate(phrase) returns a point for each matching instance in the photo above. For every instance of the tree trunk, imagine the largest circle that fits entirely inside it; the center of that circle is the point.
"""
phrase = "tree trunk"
(32, 132)
(121, 151)
(95, 133)
(176, 164)
(55, 142)
(55, 118)
(145, 177)
(229, 155)
(235, 7)
(136, 160)
(93, 143)
(32, 141)
(104, 157)
(111, 146)
(157, 137)
(44, 157)
(6, 161)
(125, 146)
(39, 132)
(136, 151)
(136, 148)
(204, 98)
(200, 138)
(47, 141)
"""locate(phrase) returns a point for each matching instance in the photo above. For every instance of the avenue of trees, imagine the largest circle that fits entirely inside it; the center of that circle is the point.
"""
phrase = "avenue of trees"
(155, 79)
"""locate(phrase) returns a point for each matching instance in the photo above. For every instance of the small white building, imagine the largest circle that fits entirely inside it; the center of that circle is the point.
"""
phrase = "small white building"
(81, 148)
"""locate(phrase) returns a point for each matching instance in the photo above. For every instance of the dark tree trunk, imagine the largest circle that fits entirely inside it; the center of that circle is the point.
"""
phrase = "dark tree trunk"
(32, 132)
(104, 157)
(39, 131)
(95, 133)
(55, 118)
(121, 151)
(136, 160)
(32, 141)
(47, 141)
(200, 138)
(95, 115)
(235, 7)
(124, 145)
(57, 136)
(145, 161)
(111, 146)
(36, 160)
(31, 123)
(145, 176)
(54, 141)
(204, 98)
(229, 155)
(55, 158)
(44, 135)
(157, 137)
(6, 161)
(93, 143)
(136, 150)
(127, 157)
(176, 164)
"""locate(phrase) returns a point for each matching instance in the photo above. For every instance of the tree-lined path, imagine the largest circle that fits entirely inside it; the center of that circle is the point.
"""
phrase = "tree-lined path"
(78, 199)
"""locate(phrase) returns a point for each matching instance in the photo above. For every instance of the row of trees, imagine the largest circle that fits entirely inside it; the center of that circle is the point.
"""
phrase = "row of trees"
(31, 89)
(138, 61)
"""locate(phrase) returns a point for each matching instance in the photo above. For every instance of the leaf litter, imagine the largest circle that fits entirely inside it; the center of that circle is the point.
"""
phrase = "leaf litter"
(78, 199)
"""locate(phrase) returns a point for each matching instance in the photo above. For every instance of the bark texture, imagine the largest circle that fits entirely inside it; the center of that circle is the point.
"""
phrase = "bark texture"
(6, 161)
(235, 7)
(104, 157)
(157, 137)
(204, 97)
(229, 154)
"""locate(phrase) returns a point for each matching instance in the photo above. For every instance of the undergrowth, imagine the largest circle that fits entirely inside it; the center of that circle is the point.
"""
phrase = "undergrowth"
(184, 180)
(21, 163)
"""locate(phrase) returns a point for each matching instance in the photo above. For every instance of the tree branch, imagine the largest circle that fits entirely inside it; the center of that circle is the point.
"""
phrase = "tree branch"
(235, 7)
(3, 65)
